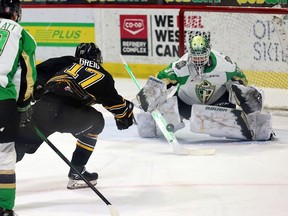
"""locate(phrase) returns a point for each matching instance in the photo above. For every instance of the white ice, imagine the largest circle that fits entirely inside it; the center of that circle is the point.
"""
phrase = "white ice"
(143, 177)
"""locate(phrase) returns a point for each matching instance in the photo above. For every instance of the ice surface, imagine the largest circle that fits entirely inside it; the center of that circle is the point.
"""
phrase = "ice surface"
(142, 177)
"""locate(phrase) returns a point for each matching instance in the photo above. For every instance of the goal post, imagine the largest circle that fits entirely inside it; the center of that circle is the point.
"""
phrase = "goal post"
(253, 37)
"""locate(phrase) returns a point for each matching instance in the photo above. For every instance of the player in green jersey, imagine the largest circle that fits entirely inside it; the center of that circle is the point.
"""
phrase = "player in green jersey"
(17, 77)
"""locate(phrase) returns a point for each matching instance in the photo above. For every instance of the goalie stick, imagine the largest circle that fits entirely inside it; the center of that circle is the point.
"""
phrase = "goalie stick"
(112, 209)
(162, 124)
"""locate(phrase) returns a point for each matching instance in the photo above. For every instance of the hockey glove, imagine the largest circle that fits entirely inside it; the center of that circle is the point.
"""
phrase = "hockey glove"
(25, 115)
(152, 94)
(38, 91)
(249, 98)
(126, 121)
(88, 100)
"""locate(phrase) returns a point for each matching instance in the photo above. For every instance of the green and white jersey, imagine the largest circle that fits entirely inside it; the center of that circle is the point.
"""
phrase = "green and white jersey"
(206, 88)
(17, 62)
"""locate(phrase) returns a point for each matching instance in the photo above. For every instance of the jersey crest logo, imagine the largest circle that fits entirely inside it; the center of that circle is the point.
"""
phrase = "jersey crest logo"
(204, 91)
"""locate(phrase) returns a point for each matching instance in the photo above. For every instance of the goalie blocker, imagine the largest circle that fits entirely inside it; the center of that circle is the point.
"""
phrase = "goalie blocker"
(230, 123)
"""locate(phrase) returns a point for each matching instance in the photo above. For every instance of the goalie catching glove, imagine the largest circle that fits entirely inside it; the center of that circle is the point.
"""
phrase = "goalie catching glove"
(154, 93)
(249, 98)
(125, 120)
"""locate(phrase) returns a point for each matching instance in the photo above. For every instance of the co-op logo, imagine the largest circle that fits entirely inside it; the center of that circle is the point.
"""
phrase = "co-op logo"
(133, 26)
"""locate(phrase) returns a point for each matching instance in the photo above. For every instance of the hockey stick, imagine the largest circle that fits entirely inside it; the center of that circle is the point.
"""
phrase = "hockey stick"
(162, 124)
(113, 210)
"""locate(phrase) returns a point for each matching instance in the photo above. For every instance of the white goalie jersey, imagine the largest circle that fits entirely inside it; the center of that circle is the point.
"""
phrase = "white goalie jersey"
(204, 88)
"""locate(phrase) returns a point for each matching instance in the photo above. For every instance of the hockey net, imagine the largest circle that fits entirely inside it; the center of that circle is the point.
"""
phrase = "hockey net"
(255, 38)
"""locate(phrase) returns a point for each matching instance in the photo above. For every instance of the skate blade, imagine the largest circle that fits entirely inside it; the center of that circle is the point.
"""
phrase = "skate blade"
(78, 184)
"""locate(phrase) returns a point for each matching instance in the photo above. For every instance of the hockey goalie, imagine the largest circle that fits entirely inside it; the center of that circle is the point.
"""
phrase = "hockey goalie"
(212, 93)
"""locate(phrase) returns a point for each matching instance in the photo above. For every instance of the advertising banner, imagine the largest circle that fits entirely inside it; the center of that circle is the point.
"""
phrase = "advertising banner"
(134, 35)
(60, 34)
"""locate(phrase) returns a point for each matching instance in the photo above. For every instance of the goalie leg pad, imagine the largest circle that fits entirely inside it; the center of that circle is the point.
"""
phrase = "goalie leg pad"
(219, 122)
(260, 125)
(249, 98)
(146, 125)
(230, 123)
(170, 112)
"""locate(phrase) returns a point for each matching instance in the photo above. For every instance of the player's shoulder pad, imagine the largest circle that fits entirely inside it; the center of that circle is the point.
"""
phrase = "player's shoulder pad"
(181, 62)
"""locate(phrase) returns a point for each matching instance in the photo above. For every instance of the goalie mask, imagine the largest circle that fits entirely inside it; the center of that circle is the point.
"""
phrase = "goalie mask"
(199, 51)
(10, 9)
(89, 51)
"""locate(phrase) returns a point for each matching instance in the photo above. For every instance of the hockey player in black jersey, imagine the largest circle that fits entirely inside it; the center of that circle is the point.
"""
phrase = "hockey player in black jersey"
(65, 91)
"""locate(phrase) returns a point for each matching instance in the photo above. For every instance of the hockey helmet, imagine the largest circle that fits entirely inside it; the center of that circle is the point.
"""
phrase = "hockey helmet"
(11, 9)
(89, 51)
(199, 50)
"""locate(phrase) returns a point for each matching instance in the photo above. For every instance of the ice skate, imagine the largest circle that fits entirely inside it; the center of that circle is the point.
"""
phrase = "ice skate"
(76, 182)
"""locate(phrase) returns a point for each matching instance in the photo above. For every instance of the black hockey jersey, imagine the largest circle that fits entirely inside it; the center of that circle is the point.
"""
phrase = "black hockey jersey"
(76, 78)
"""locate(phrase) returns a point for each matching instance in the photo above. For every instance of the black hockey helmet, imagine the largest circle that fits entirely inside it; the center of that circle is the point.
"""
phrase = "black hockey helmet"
(89, 51)
(10, 9)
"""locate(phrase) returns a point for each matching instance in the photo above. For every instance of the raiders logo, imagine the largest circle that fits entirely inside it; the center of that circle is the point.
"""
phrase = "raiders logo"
(204, 91)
